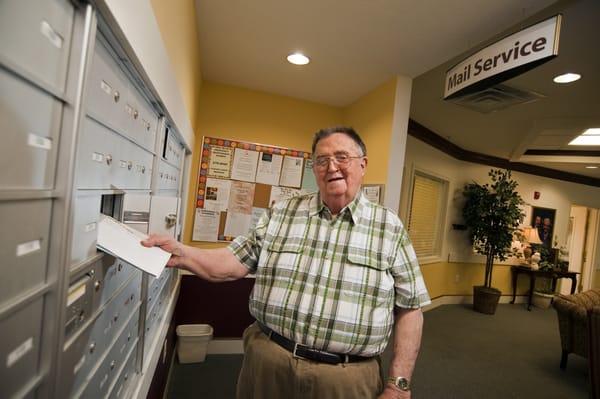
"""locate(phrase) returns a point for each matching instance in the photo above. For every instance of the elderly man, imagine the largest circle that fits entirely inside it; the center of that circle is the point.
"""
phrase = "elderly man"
(335, 274)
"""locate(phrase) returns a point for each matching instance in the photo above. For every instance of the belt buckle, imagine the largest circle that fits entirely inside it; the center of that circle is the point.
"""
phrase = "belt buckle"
(294, 354)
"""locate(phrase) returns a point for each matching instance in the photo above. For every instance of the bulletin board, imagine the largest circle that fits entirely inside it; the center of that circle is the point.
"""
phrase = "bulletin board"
(238, 180)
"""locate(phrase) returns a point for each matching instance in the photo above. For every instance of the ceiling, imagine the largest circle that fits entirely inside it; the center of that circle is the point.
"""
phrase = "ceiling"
(355, 45)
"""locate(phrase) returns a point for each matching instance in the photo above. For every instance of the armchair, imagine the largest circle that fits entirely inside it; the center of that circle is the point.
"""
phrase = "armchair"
(573, 322)
(594, 350)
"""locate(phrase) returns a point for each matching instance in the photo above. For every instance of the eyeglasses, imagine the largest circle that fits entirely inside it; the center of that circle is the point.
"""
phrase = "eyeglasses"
(341, 160)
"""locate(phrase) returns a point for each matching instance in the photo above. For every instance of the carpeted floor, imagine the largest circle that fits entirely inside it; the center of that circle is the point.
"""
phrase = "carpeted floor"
(464, 354)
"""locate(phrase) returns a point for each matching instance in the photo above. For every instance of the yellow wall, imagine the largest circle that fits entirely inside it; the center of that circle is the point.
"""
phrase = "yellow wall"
(177, 23)
(441, 279)
(242, 114)
(372, 116)
(231, 112)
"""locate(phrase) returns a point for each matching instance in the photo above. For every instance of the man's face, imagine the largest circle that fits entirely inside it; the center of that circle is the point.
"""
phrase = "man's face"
(547, 223)
(338, 183)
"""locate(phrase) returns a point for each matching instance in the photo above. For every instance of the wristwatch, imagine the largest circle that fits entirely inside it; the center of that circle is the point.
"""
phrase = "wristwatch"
(400, 382)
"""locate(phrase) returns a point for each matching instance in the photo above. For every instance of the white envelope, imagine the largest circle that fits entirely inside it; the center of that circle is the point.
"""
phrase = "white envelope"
(123, 242)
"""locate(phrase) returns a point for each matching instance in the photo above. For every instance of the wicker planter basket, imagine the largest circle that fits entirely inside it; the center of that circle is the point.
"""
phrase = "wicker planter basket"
(485, 299)
(541, 300)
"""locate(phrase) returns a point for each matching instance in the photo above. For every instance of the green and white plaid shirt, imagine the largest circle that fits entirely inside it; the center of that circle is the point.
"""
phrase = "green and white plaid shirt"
(331, 283)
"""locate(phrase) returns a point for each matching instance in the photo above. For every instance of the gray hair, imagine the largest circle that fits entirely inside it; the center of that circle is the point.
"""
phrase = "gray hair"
(348, 131)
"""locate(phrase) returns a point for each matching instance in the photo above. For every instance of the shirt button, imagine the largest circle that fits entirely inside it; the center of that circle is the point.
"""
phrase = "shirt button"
(327, 256)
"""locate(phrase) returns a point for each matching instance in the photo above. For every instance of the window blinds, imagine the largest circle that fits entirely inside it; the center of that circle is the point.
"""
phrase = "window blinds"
(424, 216)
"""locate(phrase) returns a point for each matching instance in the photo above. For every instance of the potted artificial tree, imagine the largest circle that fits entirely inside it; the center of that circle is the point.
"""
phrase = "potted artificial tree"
(491, 214)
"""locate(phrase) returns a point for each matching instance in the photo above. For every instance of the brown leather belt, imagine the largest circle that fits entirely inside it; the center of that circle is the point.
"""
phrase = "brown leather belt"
(305, 352)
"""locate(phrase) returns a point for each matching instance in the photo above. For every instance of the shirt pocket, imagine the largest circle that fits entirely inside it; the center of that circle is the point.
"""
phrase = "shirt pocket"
(367, 251)
(368, 272)
(368, 258)
(286, 244)
(282, 255)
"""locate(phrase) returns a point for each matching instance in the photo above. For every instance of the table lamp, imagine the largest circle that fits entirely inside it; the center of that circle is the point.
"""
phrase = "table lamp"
(530, 236)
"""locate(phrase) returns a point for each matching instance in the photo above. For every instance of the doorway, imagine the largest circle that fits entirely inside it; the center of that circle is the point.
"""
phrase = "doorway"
(584, 248)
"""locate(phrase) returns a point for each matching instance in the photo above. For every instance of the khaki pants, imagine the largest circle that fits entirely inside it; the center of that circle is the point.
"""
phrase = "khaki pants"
(271, 372)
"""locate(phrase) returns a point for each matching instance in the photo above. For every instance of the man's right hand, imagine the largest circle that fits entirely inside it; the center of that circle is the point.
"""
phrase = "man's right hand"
(210, 264)
(169, 244)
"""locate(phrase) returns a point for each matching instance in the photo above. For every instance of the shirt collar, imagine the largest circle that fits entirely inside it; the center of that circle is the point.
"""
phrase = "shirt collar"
(355, 207)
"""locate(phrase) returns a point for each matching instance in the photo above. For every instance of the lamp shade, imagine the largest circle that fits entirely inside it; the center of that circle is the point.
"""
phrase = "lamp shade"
(530, 234)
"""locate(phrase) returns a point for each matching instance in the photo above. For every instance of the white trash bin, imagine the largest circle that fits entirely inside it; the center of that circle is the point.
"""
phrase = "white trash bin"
(192, 342)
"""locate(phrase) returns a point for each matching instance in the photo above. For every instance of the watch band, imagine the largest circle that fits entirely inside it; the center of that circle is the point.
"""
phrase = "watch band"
(401, 383)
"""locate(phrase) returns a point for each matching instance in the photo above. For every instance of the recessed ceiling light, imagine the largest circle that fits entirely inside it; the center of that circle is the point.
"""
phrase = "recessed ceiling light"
(593, 131)
(591, 167)
(589, 137)
(567, 78)
(298, 59)
(585, 140)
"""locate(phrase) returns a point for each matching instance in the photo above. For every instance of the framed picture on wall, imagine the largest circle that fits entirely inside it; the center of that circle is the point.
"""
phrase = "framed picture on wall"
(543, 220)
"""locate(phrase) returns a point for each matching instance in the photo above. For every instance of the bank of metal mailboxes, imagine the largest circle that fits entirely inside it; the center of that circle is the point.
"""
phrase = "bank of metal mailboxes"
(167, 176)
(24, 234)
(163, 215)
(31, 31)
(20, 347)
(87, 361)
(93, 287)
(86, 216)
(171, 149)
(81, 140)
(133, 210)
(122, 386)
(116, 103)
(159, 289)
(107, 332)
(28, 155)
(108, 160)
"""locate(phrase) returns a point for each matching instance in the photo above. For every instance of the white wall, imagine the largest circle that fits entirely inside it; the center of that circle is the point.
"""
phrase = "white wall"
(398, 141)
(556, 194)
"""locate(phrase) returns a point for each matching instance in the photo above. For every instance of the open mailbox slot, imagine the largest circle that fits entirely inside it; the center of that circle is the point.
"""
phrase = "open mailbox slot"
(112, 205)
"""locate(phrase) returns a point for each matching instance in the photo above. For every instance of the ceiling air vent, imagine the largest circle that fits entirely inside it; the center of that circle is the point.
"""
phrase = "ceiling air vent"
(496, 98)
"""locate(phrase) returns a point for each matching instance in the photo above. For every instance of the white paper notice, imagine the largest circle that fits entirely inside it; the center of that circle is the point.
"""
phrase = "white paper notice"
(244, 165)
(220, 161)
(206, 226)
(216, 196)
(282, 193)
(309, 182)
(256, 214)
(124, 242)
(237, 224)
(372, 193)
(291, 173)
(269, 168)
(241, 197)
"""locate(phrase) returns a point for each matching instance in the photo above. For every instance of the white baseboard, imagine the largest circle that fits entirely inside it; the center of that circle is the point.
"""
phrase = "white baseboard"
(467, 299)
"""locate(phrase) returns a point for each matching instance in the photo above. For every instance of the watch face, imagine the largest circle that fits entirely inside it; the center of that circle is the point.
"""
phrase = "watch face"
(402, 383)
